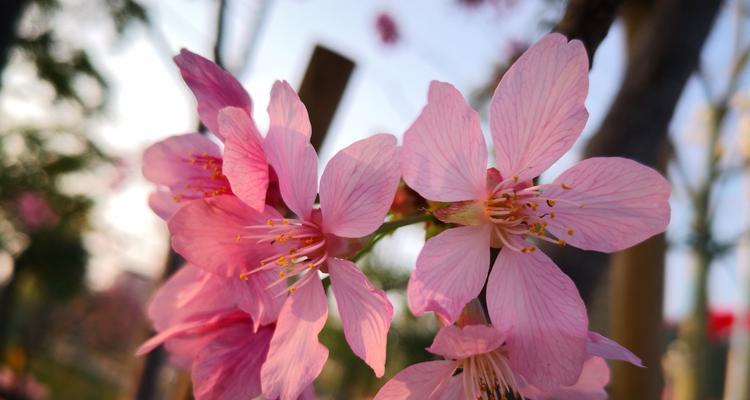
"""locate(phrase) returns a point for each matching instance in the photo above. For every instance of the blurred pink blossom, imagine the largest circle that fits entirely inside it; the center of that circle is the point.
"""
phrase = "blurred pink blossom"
(387, 29)
(34, 211)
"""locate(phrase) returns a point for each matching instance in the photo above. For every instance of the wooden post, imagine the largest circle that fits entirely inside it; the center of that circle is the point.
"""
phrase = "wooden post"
(322, 88)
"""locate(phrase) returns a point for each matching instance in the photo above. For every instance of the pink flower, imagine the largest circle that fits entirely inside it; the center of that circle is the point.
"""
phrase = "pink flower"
(192, 166)
(226, 237)
(387, 28)
(203, 330)
(34, 211)
(477, 365)
(600, 204)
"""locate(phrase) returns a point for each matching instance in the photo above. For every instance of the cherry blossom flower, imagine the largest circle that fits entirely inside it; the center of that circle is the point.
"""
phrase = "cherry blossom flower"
(477, 365)
(600, 204)
(229, 238)
(192, 166)
(204, 331)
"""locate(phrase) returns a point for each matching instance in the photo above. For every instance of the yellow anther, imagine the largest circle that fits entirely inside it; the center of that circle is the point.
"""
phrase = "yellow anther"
(237, 238)
(552, 215)
(565, 186)
(285, 221)
(534, 206)
(282, 274)
(292, 251)
(529, 249)
(551, 202)
(515, 179)
(561, 242)
(269, 222)
(570, 231)
(176, 198)
(281, 238)
(309, 241)
(310, 265)
(244, 276)
(292, 289)
(282, 261)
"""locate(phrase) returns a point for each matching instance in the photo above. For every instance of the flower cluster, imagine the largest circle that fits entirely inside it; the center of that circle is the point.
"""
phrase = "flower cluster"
(259, 233)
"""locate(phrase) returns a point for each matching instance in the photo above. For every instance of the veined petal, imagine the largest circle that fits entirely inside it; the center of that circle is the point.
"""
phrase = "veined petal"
(163, 204)
(456, 343)
(422, 381)
(170, 161)
(590, 385)
(190, 294)
(255, 298)
(245, 163)
(607, 204)
(365, 312)
(228, 367)
(296, 164)
(602, 346)
(296, 357)
(537, 111)
(540, 308)
(213, 87)
(444, 157)
(451, 270)
(286, 110)
(358, 186)
(208, 233)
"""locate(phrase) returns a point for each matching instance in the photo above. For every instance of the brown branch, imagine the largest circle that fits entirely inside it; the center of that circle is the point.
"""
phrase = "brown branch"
(588, 21)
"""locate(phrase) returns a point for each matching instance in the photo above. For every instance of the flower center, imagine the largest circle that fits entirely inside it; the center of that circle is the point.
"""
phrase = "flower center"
(522, 209)
(299, 248)
(488, 377)
(206, 179)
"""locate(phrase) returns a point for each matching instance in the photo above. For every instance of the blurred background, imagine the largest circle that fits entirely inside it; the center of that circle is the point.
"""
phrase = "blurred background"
(86, 85)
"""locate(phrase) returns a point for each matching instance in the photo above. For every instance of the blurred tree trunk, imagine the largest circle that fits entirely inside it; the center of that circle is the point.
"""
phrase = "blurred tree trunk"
(10, 14)
(664, 43)
(664, 50)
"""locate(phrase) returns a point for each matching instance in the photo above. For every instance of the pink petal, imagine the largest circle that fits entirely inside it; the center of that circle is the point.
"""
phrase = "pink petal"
(457, 343)
(213, 88)
(228, 367)
(613, 203)
(545, 318)
(188, 295)
(598, 345)
(296, 357)
(358, 186)
(423, 381)
(590, 385)
(208, 233)
(452, 390)
(245, 163)
(163, 204)
(537, 111)
(365, 312)
(255, 298)
(451, 270)
(192, 327)
(444, 155)
(296, 164)
(170, 161)
(286, 110)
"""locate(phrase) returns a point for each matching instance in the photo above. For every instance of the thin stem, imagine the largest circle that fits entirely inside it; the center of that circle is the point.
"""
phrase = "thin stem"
(387, 228)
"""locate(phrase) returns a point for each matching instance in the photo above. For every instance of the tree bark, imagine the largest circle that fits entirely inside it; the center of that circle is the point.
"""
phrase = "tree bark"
(11, 12)
(661, 61)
